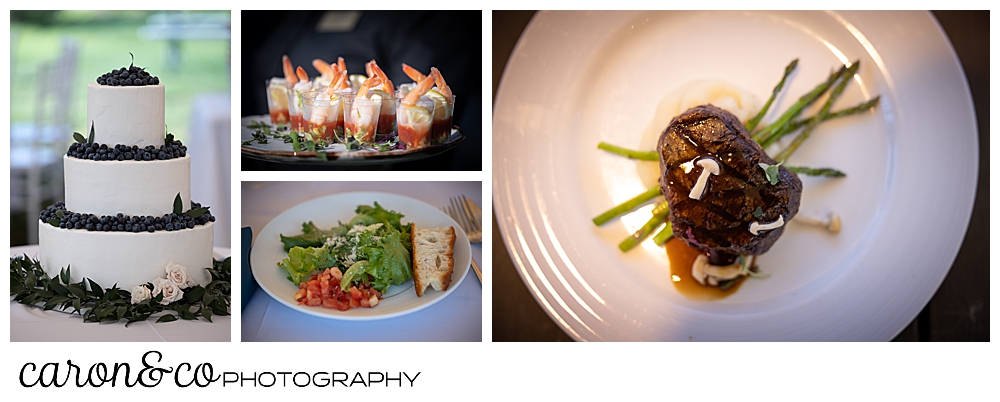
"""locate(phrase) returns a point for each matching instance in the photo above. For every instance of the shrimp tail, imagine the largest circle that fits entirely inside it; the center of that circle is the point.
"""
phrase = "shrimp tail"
(337, 83)
(323, 67)
(386, 83)
(441, 84)
(368, 84)
(413, 73)
(301, 73)
(422, 87)
(286, 65)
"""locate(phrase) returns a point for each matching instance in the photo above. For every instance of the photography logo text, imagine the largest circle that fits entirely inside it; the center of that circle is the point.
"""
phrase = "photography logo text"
(153, 372)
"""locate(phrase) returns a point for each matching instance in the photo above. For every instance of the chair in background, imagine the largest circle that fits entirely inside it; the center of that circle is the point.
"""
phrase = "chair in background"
(36, 147)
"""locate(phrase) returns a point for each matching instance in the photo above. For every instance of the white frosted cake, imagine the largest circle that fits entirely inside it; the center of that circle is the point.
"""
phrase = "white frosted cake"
(124, 195)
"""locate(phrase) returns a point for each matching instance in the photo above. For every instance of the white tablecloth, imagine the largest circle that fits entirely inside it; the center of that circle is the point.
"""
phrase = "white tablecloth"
(32, 324)
(457, 317)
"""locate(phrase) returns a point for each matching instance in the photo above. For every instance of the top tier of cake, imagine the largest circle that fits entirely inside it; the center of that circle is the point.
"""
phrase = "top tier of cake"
(126, 115)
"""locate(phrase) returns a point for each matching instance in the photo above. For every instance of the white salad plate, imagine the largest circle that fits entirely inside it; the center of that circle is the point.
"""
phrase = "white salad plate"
(578, 78)
(326, 212)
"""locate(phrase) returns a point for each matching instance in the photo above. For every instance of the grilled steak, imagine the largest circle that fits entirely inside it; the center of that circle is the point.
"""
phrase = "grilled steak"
(720, 222)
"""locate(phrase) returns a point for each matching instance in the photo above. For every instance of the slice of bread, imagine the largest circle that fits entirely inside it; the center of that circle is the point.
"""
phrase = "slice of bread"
(433, 260)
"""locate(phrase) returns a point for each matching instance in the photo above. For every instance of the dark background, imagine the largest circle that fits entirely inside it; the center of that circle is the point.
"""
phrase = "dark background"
(959, 311)
(448, 40)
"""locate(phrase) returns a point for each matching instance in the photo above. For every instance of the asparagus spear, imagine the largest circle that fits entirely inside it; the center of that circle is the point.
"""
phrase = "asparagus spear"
(799, 123)
(629, 153)
(659, 215)
(845, 77)
(796, 109)
(808, 171)
(626, 206)
(665, 234)
(756, 119)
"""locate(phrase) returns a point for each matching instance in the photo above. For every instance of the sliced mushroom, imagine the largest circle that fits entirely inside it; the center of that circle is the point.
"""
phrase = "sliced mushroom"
(831, 223)
(703, 272)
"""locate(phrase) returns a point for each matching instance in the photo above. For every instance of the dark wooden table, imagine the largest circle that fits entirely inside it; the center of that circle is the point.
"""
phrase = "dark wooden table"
(959, 311)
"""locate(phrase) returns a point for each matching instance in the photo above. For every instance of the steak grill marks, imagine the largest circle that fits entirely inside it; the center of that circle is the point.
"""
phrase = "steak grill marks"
(719, 222)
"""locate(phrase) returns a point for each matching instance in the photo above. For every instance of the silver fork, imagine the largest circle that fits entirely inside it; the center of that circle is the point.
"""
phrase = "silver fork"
(469, 216)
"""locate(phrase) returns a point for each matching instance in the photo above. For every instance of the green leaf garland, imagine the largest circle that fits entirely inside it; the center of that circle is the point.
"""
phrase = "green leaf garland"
(30, 285)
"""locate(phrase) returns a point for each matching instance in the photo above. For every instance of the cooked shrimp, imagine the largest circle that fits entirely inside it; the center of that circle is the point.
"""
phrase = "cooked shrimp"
(337, 84)
(413, 73)
(368, 84)
(324, 68)
(337, 71)
(422, 87)
(341, 63)
(368, 69)
(319, 114)
(441, 84)
(361, 122)
(286, 65)
(301, 73)
(386, 83)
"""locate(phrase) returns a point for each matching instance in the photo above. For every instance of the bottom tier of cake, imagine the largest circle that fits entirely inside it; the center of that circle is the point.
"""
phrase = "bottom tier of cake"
(127, 259)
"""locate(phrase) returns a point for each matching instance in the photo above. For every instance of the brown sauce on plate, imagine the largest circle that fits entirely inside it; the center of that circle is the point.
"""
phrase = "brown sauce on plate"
(681, 257)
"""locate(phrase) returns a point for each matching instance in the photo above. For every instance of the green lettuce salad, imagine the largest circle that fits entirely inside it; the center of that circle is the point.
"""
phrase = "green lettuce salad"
(374, 247)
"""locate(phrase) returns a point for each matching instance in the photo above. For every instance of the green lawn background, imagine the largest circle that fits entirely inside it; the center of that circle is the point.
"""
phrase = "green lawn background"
(105, 39)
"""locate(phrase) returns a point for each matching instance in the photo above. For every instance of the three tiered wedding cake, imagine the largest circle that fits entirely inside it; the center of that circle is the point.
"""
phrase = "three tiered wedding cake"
(128, 212)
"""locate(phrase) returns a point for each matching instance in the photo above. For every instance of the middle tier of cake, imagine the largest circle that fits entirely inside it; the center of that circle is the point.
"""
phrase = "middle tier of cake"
(136, 188)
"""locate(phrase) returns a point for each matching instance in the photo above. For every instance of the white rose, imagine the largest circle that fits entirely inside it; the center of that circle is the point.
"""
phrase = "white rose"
(140, 293)
(171, 292)
(177, 274)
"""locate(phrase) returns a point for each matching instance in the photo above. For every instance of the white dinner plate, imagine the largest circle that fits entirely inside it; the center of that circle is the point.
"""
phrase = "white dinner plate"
(327, 212)
(578, 78)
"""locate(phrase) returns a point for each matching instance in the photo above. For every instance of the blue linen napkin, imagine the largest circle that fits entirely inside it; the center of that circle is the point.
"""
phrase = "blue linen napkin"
(249, 284)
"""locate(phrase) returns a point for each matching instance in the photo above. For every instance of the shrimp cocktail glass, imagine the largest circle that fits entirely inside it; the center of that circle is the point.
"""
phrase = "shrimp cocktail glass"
(277, 100)
(444, 106)
(385, 91)
(295, 101)
(324, 115)
(387, 115)
(361, 117)
(444, 102)
(415, 114)
(414, 121)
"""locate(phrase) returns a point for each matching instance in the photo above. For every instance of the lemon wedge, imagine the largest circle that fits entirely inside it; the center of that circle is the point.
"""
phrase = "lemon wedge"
(280, 97)
(356, 80)
(417, 115)
(441, 111)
